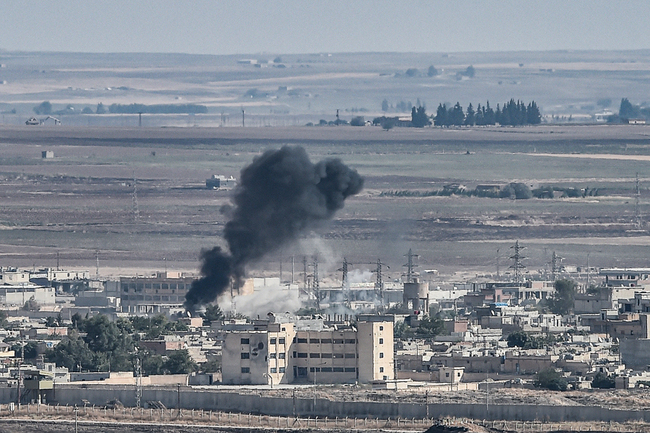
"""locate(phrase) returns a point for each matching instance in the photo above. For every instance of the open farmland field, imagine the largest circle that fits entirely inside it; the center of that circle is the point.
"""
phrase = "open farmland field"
(81, 203)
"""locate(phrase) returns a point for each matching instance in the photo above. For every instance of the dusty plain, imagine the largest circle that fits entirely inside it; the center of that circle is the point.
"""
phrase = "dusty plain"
(81, 204)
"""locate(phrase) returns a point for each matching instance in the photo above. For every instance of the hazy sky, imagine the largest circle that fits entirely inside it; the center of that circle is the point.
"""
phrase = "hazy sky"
(304, 26)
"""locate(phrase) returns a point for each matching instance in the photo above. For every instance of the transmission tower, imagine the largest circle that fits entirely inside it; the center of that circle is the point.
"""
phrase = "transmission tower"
(345, 282)
(410, 266)
(637, 211)
(517, 259)
(136, 211)
(379, 283)
(555, 265)
(305, 275)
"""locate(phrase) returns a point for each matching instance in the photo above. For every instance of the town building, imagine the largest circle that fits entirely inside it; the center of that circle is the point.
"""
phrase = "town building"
(155, 294)
(313, 352)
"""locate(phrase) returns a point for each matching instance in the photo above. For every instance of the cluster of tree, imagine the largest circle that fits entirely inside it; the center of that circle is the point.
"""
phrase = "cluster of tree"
(563, 298)
(514, 190)
(157, 109)
(428, 327)
(97, 344)
(552, 379)
(629, 111)
(470, 72)
(513, 113)
(527, 341)
(415, 72)
(419, 117)
(603, 381)
(573, 192)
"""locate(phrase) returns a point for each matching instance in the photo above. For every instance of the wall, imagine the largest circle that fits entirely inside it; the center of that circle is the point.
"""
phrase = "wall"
(256, 403)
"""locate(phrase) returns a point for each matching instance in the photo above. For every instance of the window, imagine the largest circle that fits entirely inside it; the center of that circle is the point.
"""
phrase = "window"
(282, 369)
(326, 340)
(245, 370)
(446, 374)
(271, 355)
(351, 341)
(381, 354)
(281, 340)
(338, 341)
(381, 327)
(326, 369)
(245, 355)
(314, 341)
(325, 355)
(302, 340)
(281, 355)
(381, 341)
(274, 340)
(381, 369)
(302, 355)
(337, 369)
(350, 370)
(350, 355)
(244, 341)
(337, 355)
(314, 355)
(274, 370)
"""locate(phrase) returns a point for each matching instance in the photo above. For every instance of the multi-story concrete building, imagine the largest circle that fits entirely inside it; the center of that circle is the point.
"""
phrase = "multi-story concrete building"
(157, 294)
(275, 353)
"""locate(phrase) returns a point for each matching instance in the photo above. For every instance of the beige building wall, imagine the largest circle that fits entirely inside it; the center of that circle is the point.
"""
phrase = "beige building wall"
(375, 351)
(258, 357)
(281, 354)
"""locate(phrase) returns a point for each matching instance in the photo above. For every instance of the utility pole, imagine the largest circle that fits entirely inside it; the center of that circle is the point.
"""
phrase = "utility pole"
(134, 199)
(316, 282)
(637, 212)
(138, 382)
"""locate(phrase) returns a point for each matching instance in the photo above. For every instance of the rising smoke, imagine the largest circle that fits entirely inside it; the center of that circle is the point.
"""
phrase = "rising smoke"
(280, 194)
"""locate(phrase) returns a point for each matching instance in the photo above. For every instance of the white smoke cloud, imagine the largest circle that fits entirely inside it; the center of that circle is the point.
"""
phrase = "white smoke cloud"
(277, 299)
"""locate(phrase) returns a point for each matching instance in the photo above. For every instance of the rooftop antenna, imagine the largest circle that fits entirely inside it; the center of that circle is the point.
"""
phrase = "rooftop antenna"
(97, 262)
(410, 266)
(517, 258)
(338, 120)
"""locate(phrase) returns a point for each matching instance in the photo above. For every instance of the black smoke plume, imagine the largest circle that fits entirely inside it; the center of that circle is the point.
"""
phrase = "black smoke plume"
(279, 195)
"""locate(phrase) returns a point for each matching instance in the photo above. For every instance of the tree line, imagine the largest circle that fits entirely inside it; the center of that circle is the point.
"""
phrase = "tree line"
(512, 113)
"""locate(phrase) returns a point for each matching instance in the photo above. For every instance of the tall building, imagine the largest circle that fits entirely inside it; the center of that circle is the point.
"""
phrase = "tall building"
(275, 353)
